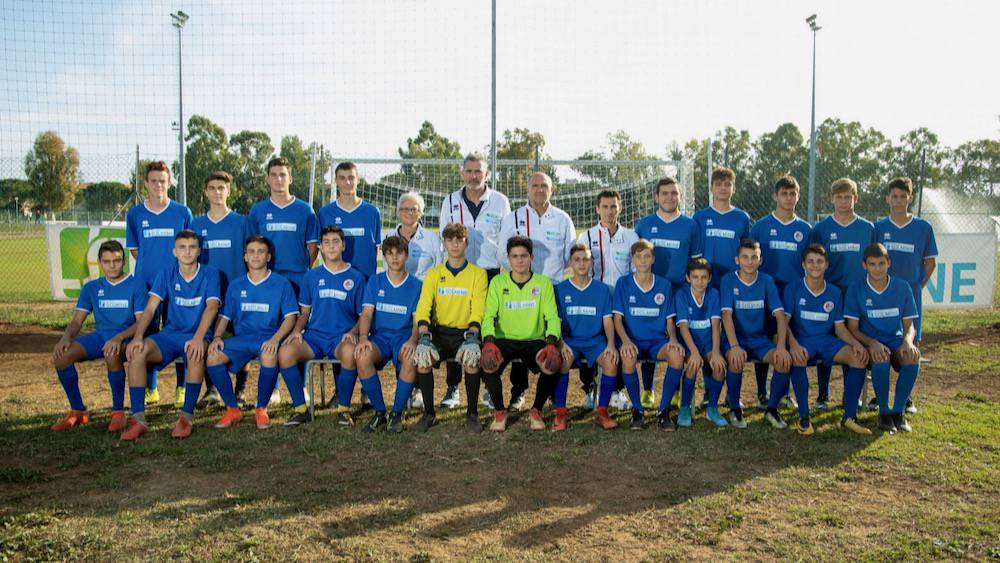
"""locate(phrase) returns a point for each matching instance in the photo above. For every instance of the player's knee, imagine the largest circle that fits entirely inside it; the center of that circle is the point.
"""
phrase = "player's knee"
(799, 363)
(268, 359)
(675, 360)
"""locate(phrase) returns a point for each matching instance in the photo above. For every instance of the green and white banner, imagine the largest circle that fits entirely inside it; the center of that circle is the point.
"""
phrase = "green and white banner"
(72, 253)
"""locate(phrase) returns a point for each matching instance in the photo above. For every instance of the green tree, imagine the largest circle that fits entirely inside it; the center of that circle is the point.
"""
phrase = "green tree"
(207, 151)
(430, 144)
(52, 168)
(14, 191)
(847, 149)
(973, 169)
(106, 196)
(621, 146)
(250, 151)
(915, 146)
(520, 144)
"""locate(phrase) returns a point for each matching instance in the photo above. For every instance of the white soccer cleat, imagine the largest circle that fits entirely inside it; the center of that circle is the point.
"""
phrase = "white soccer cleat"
(275, 398)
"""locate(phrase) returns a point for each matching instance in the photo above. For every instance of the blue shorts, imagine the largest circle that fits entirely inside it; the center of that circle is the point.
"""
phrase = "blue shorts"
(389, 347)
(822, 348)
(756, 345)
(322, 346)
(93, 343)
(586, 349)
(242, 349)
(892, 344)
(703, 348)
(649, 348)
(171, 345)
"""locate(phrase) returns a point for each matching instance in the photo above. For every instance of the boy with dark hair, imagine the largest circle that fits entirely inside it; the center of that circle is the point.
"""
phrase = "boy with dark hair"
(722, 226)
(360, 220)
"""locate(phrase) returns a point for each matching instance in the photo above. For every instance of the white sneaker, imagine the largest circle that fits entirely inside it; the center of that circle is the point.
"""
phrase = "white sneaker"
(452, 398)
(590, 399)
(416, 399)
(275, 398)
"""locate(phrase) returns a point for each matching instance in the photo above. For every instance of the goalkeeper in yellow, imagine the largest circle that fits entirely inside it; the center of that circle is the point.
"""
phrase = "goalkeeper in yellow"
(521, 321)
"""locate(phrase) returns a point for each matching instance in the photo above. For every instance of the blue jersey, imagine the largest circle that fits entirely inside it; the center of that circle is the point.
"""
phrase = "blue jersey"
(114, 305)
(698, 316)
(258, 309)
(290, 229)
(222, 244)
(186, 298)
(152, 236)
(813, 314)
(334, 299)
(362, 233)
(781, 247)
(675, 241)
(880, 315)
(583, 310)
(909, 245)
(720, 235)
(749, 303)
(394, 304)
(644, 312)
(845, 245)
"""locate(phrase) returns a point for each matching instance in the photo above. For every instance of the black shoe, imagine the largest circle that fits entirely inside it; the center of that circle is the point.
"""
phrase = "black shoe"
(638, 420)
(374, 423)
(344, 420)
(886, 424)
(472, 423)
(899, 421)
(665, 421)
(425, 422)
(395, 424)
(762, 402)
(366, 403)
(299, 418)
(873, 405)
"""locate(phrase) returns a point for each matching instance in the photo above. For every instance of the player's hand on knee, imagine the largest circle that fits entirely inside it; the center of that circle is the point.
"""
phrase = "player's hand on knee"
(717, 363)
(549, 359)
(61, 347)
(675, 347)
(909, 353)
(629, 351)
(270, 346)
(350, 338)
(425, 354)
(364, 347)
(406, 352)
(799, 355)
(860, 353)
(694, 364)
(736, 357)
(217, 346)
(294, 338)
(135, 349)
(194, 349)
(567, 355)
(879, 353)
(469, 352)
(112, 348)
(610, 355)
(782, 360)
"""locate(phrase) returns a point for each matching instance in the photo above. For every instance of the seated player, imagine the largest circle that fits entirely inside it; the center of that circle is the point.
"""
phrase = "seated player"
(116, 300)
(880, 311)
(644, 310)
(449, 314)
(521, 321)
(698, 316)
(588, 332)
(329, 306)
(747, 295)
(386, 332)
(261, 306)
(192, 292)
(816, 332)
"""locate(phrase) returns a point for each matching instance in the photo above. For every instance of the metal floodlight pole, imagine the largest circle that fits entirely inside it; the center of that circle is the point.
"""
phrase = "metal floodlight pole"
(493, 106)
(811, 20)
(179, 19)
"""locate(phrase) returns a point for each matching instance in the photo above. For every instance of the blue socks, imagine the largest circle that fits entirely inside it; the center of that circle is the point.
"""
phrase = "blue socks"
(823, 372)
(779, 386)
(137, 399)
(648, 372)
(800, 386)
(345, 386)
(293, 380)
(734, 384)
(373, 388)
(266, 381)
(632, 384)
(880, 381)
(606, 389)
(670, 382)
(116, 379)
(687, 391)
(562, 387)
(191, 392)
(181, 369)
(71, 385)
(220, 378)
(904, 386)
(714, 388)
(854, 380)
(403, 391)
(151, 379)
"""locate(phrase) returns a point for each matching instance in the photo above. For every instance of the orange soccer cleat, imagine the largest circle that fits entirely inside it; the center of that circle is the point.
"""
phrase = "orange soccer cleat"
(499, 421)
(560, 423)
(72, 418)
(182, 429)
(134, 430)
(261, 419)
(117, 422)
(229, 418)
(603, 420)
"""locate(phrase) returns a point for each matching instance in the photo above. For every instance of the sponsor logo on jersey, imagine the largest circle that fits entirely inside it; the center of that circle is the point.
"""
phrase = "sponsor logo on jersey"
(631, 298)
(644, 311)
(332, 294)
(453, 291)
(113, 303)
(568, 299)
(774, 232)
(243, 293)
(188, 301)
(157, 233)
(322, 282)
(887, 236)
(783, 245)
(883, 313)
(845, 247)
(900, 247)
(802, 300)
(221, 243)
(581, 310)
(700, 324)
(348, 284)
(720, 233)
(736, 291)
(381, 293)
(659, 298)
(145, 223)
(868, 302)
(814, 316)
(833, 236)
(523, 304)
(282, 227)
(391, 308)
(100, 293)
(268, 217)
(654, 230)
(709, 222)
(666, 243)
(255, 307)
(177, 287)
(354, 231)
(751, 304)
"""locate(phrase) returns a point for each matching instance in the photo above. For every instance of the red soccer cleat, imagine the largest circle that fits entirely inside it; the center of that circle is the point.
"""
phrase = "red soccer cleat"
(560, 423)
(72, 418)
(134, 430)
(499, 421)
(118, 421)
(603, 420)
(261, 419)
(536, 421)
(229, 418)
(182, 429)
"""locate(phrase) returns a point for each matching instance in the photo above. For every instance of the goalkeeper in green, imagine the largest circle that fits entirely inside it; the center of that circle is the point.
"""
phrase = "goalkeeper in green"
(521, 321)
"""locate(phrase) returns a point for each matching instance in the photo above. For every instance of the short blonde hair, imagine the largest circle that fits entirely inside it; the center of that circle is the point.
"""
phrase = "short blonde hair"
(844, 185)
(411, 196)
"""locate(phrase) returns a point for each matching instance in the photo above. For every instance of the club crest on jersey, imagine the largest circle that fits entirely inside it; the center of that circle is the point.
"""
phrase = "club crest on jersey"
(797, 236)
(659, 298)
(348, 284)
(243, 293)
(828, 306)
(536, 291)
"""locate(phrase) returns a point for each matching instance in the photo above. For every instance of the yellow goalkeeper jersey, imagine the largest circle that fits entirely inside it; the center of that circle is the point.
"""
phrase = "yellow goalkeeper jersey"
(454, 300)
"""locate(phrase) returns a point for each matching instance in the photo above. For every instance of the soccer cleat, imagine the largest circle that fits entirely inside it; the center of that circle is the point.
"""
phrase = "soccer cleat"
(805, 427)
(179, 393)
(343, 418)
(377, 421)
(275, 399)
(499, 423)
(72, 418)
(899, 421)
(910, 407)
(211, 398)
(773, 417)
(134, 430)
(561, 421)
(241, 399)
(536, 421)
(684, 419)
(182, 429)
(472, 423)
(487, 400)
(229, 418)
(712, 414)
(873, 405)
(416, 400)
(666, 422)
(395, 423)
(300, 418)
(675, 401)
(425, 422)
(736, 418)
(516, 402)
(590, 398)
(638, 421)
(885, 424)
(261, 418)
(152, 396)
(603, 420)
(366, 403)
(852, 424)
(762, 402)
(452, 399)
(647, 399)
(117, 422)
(822, 404)
(789, 402)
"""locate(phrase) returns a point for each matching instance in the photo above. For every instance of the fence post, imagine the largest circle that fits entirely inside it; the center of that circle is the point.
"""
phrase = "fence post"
(920, 183)
(708, 175)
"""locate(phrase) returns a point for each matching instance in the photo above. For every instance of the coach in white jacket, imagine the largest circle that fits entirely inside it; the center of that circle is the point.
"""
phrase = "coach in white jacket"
(481, 209)
(549, 227)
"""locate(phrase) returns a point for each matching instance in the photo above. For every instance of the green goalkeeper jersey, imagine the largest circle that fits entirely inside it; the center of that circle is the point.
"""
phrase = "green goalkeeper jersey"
(521, 312)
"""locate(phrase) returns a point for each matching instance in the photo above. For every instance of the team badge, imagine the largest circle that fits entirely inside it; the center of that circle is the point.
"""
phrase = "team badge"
(145, 223)
(828, 306)
(654, 230)
(536, 291)
(802, 301)
(736, 291)
(337, 220)
(348, 284)
(797, 236)
(659, 298)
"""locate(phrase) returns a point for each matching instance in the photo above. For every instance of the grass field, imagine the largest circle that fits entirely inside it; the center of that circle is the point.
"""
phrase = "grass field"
(24, 268)
(319, 493)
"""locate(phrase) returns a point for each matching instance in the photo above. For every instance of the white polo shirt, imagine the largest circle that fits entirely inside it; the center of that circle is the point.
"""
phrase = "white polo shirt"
(484, 230)
(425, 251)
(611, 253)
(553, 235)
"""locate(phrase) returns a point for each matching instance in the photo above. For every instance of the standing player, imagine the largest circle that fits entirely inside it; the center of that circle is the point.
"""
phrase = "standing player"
(676, 240)
(721, 226)
(747, 296)
(783, 237)
(816, 332)
(845, 235)
(449, 315)
(588, 333)
(150, 229)
(912, 248)
(116, 300)
(643, 308)
(192, 291)
(360, 220)
(329, 306)
(880, 312)
(552, 234)
(521, 321)
(424, 247)
(222, 232)
(261, 306)
(386, 332)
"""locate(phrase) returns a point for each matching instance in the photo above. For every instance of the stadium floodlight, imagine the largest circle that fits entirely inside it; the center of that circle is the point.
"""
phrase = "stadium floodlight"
(179, 18)
(811, 20)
